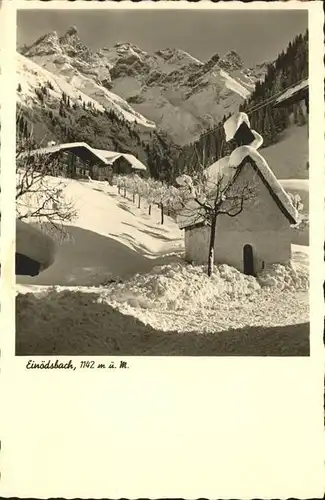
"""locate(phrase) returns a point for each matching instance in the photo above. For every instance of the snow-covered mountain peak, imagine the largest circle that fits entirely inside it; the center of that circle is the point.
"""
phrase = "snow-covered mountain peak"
(125, 53)
(45, 45)
(72, 31)
(170, 87)
(48, 37)
(68, 56)
(214, 59)
(231, 61)
(124, 46)
(68, 44)
(38, 85)
(72, 45)
(174, 55)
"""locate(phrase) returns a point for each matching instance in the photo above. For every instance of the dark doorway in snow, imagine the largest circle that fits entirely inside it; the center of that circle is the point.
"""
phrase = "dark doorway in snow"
(26, 266)
(248, 260)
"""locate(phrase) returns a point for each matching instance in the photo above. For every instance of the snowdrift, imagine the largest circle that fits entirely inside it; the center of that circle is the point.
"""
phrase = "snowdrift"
(181, 298)
(180, 286)
(35, 244)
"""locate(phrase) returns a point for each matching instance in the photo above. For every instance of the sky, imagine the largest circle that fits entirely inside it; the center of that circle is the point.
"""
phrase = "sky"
(256, 35)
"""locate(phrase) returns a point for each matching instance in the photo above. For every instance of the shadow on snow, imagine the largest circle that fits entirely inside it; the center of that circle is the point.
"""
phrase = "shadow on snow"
(74, 323)
(88, 258)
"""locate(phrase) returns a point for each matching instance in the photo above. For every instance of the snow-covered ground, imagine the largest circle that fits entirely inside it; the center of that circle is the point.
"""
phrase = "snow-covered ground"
(76, 323)
(288, 159)
(289, 156)
(121, 271)
(182, 297)
(112, 238)
(174, 309)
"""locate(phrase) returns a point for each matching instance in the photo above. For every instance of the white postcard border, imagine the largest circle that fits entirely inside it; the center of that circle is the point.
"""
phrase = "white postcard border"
(169, 427)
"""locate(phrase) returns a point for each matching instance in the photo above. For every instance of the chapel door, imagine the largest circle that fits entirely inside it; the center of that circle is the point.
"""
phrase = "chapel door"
(248, 260)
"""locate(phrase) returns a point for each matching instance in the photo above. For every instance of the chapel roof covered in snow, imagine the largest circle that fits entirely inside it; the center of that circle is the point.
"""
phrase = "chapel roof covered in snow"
(292, 95)
(240, 157)
(245, 154)
(87, 153)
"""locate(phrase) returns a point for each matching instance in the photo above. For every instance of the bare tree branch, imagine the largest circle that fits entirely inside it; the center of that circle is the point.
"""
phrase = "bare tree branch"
(211, 198)
(40, 196)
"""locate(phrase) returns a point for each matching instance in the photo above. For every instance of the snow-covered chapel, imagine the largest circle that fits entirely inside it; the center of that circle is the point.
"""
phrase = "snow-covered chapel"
(261, 234)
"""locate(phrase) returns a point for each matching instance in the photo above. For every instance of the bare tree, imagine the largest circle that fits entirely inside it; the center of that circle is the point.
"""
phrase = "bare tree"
(162, 195)
(131, 186)
(120, 181)
(142, 189)
(134, 184)
(205, 199)
(40, 196)
(150, 193)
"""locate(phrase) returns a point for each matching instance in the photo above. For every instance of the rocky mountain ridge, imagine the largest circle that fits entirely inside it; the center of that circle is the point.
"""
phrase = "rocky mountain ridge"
(169, 88)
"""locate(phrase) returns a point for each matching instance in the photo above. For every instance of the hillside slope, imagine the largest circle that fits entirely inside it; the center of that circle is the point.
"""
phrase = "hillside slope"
(52, 109)
(32, 77)
(110, 237)
(289, 156)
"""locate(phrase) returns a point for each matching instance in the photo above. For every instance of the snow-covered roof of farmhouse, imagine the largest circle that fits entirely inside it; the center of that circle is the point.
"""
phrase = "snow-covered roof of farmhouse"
(112, 156)
(104, 156)
(292, 93)
(69, 146)
(237, 159)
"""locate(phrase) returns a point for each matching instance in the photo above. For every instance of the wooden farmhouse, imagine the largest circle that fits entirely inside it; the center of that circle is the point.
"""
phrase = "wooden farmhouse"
(120, 163)
(79, 160)
(259, 235)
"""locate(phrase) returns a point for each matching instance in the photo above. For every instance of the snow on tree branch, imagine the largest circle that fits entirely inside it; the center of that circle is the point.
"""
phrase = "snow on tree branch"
(40, 196)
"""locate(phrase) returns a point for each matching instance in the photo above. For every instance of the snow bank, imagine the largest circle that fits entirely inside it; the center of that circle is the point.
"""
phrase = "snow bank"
(183, 297)
(180, 286)
(113, 238)
(35, 244)
(177, 286)
(280, 277)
